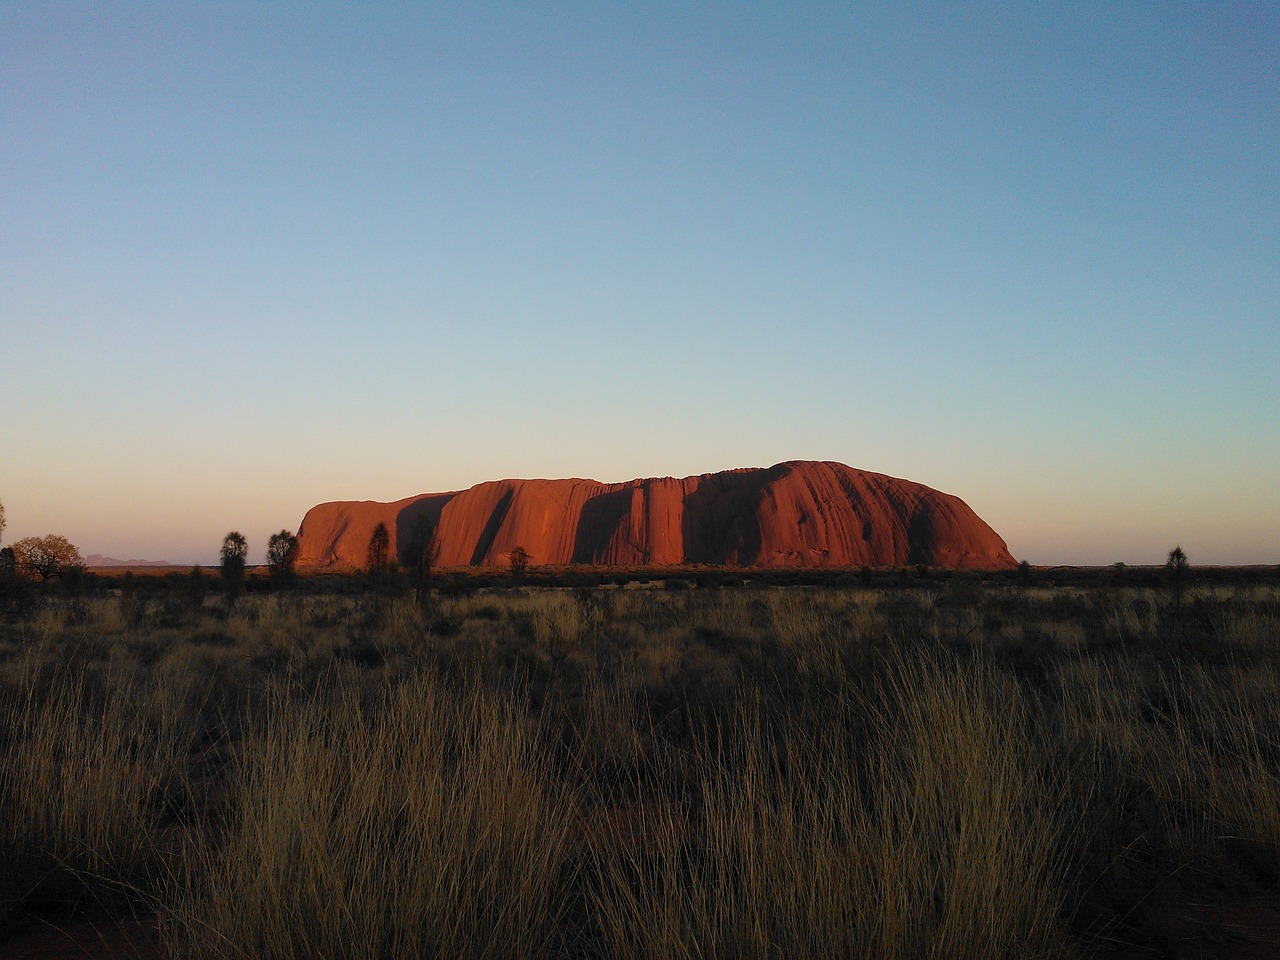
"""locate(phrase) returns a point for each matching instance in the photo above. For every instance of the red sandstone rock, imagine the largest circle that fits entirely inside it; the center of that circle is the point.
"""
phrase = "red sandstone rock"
(797, 514)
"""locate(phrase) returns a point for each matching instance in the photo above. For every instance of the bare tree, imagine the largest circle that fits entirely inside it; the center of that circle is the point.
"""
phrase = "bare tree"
(519, 562)
(46, 557)
(379, 547)
(281, 549)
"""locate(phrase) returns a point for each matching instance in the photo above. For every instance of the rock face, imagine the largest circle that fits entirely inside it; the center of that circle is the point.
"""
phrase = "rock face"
(797, 514)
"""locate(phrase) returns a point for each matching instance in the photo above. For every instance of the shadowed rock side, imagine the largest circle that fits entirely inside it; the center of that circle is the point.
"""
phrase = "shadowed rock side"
(798, 514)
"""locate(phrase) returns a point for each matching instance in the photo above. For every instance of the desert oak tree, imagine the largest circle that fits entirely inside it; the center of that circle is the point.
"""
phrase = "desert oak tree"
(281, 548)
(379, 547)
(1177, 567)
(420, 553)
(234, 550)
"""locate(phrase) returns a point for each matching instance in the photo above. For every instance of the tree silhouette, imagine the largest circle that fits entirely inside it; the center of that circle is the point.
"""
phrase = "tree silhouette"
(281, 549)
(1178, 569)
(46, 557)
(419, 553)
(379, 547)
(1, 518)
(234, 550)
(519, 562)
(234, 547)
(196, 587)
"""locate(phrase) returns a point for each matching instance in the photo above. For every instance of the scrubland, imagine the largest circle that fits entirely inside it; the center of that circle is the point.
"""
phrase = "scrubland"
(943, 769)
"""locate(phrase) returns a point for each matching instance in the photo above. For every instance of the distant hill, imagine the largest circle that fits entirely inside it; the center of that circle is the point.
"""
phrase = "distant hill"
(796, 514)
(98, 560)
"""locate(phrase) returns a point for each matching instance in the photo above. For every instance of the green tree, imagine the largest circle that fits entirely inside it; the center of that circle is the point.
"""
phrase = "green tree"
(234, 551)
(282, 547)
(46, 557)
(379, 547)
(1178, 570)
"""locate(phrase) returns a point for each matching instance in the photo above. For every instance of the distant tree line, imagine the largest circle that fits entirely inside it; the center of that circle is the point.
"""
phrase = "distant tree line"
(54, 557)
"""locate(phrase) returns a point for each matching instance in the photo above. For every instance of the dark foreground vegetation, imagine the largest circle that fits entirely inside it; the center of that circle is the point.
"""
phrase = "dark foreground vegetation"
(891, 764)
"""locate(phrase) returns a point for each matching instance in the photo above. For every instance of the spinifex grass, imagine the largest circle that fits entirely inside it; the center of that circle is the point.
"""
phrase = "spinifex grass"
(924, 769)
(420, 824)
(90, 763)
(914, 823)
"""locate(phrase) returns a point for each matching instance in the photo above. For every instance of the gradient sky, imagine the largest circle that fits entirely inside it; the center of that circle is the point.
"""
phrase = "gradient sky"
(258, 256)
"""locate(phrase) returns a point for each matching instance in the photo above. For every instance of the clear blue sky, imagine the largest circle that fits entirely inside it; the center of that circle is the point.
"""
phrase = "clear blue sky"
(258, 256)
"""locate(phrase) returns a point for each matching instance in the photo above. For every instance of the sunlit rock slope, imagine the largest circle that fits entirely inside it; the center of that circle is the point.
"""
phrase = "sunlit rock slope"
(796, 514)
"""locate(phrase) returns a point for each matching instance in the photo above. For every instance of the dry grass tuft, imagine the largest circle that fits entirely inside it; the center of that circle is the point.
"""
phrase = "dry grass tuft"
(915, 823)
(421, 824)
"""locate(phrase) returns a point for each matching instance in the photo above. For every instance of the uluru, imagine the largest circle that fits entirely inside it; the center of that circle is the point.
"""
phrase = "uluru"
(794, 514)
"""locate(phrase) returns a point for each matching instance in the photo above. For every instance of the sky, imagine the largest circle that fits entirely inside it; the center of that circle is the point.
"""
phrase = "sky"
(257, 256)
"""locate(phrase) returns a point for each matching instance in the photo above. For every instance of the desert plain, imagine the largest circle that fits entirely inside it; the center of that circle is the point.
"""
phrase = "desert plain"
(594, 761)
